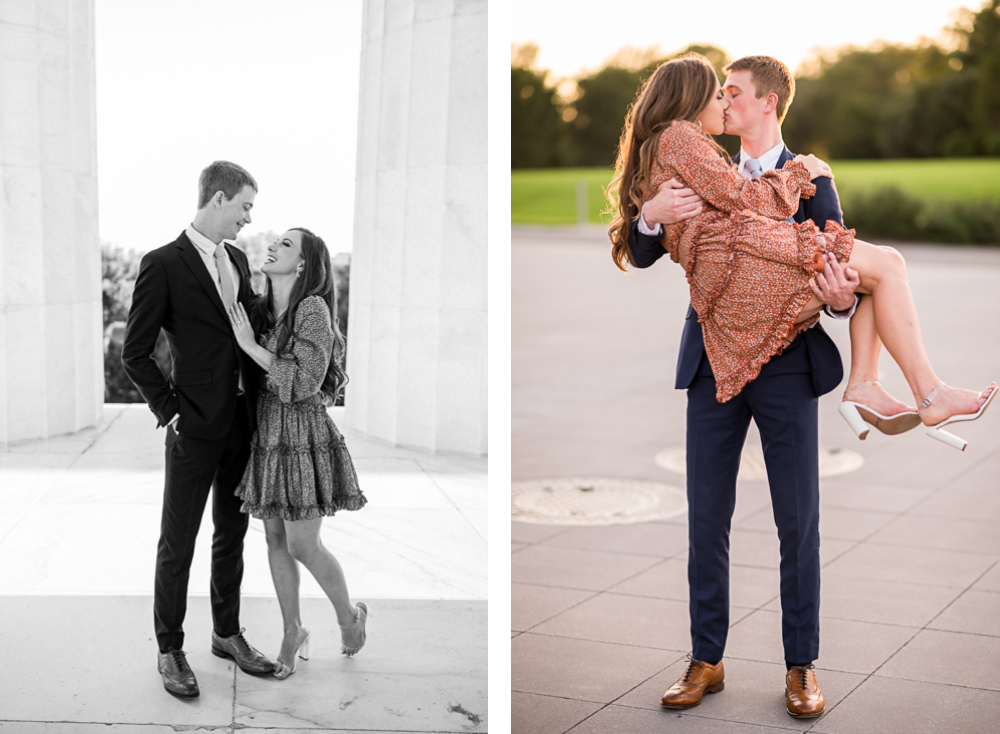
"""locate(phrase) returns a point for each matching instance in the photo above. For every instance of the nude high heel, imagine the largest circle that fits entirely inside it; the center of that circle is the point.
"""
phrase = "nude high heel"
(356, 630)
(858, 415)
(936, 431)
(281, 670)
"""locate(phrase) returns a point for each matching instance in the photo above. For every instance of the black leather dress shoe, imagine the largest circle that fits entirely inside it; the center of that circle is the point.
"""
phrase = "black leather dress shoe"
(178, 678)
(236, 648)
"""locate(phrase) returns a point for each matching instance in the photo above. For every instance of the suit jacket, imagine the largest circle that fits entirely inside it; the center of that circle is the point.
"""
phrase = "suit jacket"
(174, 291)
(813, 351)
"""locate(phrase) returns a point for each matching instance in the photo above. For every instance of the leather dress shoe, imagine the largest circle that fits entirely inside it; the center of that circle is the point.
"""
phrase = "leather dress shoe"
(249, 659)
(698, 679)
(178, 678)
(803, 698)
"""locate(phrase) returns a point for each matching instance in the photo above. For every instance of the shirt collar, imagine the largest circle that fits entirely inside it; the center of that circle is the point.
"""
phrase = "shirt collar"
(200, 241)
(768, 161)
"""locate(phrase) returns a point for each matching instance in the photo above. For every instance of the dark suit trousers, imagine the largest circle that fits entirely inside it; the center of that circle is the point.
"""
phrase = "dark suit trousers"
(193, 467)
(784, 407)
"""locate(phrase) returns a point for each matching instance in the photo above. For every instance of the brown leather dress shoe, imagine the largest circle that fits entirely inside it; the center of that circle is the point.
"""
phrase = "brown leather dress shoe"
(178, 678)
(698, 679)
(803, 698)
(249, 659)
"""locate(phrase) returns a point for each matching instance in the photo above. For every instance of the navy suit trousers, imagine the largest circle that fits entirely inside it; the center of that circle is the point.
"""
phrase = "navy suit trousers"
(785, 409)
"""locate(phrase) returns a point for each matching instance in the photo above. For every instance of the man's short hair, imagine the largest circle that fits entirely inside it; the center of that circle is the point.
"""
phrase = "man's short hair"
(770, 76)
(223, 176)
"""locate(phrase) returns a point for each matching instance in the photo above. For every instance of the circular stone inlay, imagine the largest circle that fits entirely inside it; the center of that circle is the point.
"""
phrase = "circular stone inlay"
(832, 462)
(594, 501)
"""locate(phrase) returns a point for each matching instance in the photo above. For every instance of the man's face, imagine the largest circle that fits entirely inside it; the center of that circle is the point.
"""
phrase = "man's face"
(746, 112)
(234, 213)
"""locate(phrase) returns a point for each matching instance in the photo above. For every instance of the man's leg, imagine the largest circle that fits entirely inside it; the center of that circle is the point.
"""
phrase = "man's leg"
(785, 408)
(230, 528)
(716, 433)
(190, 468)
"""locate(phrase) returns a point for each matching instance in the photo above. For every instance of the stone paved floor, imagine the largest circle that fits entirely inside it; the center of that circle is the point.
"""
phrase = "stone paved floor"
(910, 615)
(79, 519)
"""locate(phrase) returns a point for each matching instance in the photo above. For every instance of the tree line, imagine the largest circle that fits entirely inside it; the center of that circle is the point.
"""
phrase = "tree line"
(887, 101)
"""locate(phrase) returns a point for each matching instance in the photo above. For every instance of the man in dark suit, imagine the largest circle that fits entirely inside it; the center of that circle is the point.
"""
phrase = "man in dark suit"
(208, 404)
(782, 400)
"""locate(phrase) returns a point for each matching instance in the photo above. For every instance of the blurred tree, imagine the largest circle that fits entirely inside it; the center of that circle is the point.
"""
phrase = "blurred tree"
(980, 59)
(597, 116)
(535, 122)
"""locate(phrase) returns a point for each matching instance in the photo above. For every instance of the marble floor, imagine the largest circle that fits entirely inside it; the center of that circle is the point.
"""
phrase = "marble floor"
(79, 519)
(910, 600)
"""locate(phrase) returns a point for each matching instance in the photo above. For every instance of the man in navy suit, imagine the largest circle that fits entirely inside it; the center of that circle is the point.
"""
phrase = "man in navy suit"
(209, 406)
(782, 401)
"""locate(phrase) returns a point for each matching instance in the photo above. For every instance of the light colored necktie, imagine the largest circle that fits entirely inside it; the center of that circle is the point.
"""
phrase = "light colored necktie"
(225, 277)
(753, 167)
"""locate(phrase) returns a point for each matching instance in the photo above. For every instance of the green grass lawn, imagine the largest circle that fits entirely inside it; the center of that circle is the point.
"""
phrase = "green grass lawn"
(548, 196)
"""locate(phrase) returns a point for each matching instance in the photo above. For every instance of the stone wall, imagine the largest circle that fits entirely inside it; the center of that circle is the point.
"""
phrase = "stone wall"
(51, 368)
(418, 331)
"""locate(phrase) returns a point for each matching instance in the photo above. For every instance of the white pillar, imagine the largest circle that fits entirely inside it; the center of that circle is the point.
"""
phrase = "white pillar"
(416, 353)
(51, 348)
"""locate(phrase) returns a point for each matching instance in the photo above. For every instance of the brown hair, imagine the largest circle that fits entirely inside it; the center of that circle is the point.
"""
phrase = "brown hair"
(223, 176)
(316, 279)
(770, 76)
(679, 89)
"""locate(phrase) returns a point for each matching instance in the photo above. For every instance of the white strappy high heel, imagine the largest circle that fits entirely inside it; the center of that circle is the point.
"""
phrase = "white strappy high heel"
(858, 416)
(936, 431)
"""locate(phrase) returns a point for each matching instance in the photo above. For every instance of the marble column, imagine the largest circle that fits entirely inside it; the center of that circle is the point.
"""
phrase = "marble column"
(416, 352)
(51, 342)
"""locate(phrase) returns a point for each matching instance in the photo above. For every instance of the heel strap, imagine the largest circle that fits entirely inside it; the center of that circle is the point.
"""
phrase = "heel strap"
(926, 402)
(862, 385)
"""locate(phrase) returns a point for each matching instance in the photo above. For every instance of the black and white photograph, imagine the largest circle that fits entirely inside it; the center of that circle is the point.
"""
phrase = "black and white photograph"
(243, 366)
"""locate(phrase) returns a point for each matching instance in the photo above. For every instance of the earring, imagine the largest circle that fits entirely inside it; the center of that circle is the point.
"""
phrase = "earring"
(699, 123)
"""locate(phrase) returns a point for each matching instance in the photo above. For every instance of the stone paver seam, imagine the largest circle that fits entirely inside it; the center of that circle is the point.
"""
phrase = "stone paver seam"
(905, 644)
(593, 595)
(97, 437)
(449, 499)
(946, 484)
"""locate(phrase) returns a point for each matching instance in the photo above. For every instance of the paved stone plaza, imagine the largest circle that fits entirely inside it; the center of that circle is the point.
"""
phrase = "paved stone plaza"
(910, 615)
(79, 520)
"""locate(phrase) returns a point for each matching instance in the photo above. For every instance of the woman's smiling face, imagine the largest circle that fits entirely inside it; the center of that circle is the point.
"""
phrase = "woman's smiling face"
(285, 255)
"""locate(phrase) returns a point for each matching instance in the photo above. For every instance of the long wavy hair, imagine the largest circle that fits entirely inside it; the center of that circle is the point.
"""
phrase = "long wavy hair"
(316, 279)
(679, 89)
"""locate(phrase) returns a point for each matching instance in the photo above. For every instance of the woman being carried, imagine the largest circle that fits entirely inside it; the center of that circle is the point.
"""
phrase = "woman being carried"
(748, 269)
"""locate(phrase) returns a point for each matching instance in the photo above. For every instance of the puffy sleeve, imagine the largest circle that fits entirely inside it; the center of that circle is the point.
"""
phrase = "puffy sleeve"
(298, 373)
(685, 149)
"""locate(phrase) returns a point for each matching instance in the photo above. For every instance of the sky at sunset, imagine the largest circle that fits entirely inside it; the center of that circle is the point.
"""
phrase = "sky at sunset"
(582, 35)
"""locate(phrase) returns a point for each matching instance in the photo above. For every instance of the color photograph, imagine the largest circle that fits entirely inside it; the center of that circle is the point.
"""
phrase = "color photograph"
(755, 258)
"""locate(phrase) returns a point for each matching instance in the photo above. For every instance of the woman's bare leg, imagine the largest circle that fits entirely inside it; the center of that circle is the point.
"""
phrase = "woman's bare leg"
(305, 546)
(883, 275)
(285, 574)
(865, 348)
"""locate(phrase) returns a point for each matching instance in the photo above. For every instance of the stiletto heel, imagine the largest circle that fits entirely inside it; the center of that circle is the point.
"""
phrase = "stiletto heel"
(853, 417)
(936, 431)
(283, 670)
(857, 414)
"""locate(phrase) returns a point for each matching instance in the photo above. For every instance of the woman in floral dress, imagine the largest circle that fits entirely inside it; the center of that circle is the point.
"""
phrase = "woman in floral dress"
(747, 268)
(299, 470)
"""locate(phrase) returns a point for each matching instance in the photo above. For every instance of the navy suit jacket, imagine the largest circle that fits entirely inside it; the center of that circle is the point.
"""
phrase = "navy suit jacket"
(813, 351)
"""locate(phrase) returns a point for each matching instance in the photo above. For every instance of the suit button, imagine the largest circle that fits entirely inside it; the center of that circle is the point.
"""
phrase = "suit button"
(236, 372)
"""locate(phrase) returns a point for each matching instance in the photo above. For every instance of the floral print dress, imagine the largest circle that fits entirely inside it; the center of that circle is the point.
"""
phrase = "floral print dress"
(747, 268)
(299, 467)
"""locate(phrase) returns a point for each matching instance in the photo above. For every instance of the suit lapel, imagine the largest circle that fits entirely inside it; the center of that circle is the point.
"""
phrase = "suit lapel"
(192, 258)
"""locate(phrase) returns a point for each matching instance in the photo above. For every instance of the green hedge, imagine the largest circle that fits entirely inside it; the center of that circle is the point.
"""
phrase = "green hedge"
(889, 212)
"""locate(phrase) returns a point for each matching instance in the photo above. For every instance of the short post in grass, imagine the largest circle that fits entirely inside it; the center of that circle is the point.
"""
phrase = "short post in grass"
(582, 207)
